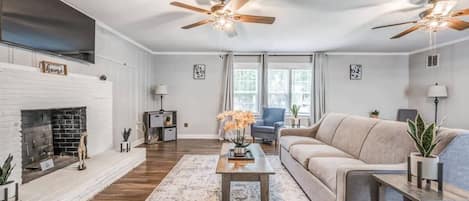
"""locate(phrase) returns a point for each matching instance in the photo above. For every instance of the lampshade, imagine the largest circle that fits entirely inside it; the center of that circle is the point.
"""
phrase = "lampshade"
(437, 91)
(161, 90)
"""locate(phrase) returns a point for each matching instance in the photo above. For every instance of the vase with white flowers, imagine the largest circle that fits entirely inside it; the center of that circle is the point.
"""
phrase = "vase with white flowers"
(237, 121)
(424, 137)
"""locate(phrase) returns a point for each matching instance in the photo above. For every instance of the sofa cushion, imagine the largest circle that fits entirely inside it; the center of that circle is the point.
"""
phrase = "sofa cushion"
(287, 141)
(303, 152)
(263, 129)
(351, 134)
(387, 143)
(328, 127)
(326, 169)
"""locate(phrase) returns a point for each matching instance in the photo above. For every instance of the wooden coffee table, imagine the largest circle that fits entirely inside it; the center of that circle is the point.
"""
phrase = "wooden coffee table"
(257, 170)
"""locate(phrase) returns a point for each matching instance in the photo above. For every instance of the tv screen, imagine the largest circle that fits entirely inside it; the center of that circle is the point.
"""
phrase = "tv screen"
(48, 25)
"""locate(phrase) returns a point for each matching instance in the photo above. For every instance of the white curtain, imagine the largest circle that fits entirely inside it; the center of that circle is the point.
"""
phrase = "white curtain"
(264, 80)
(227, 99)
(319, 86)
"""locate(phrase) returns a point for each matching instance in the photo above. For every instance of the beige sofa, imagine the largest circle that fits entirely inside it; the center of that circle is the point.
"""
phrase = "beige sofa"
(333, 160)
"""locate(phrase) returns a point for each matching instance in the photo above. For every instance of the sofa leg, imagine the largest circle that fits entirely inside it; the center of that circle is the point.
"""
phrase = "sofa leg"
(253, 140)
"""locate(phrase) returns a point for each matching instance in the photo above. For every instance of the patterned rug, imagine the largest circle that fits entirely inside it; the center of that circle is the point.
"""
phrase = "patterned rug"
(194, 179)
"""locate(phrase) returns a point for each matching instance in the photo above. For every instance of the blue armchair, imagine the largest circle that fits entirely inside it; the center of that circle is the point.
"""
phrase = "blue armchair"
(267, 128)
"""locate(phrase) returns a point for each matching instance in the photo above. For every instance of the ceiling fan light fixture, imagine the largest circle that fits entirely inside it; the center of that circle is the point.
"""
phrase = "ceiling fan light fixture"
(443, 7)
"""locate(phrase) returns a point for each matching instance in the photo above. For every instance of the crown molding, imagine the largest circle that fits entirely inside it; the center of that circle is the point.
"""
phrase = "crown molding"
(189, 53)
(369, 53)
(440, 45)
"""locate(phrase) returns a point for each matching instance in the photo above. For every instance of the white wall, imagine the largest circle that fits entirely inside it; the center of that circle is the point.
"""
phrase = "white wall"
(132, 82)
(452, 72)
(383, 87)
(197, 101)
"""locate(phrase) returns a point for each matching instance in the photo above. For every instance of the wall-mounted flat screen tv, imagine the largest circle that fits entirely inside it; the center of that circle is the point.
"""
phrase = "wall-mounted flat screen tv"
(50, 26)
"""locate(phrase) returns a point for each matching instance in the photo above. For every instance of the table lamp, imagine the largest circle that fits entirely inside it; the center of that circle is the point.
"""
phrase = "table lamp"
(437, 91)
(161, 90)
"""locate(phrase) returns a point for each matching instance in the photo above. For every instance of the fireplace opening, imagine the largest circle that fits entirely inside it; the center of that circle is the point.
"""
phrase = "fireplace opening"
(50, 135)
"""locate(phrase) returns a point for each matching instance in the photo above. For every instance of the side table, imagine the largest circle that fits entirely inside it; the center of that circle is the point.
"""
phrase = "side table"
(410, 192)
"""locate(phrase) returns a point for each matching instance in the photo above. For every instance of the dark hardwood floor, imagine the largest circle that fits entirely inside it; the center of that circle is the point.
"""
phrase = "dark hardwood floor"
(141, 181)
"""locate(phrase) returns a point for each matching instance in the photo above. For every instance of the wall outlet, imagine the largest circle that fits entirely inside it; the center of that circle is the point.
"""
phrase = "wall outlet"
(186, 125)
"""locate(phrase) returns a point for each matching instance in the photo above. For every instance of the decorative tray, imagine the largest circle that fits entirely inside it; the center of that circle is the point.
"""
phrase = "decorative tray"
(248, 156)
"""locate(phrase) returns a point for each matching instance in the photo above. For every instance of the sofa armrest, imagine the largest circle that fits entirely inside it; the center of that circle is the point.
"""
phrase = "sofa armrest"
(304, 132)
(355, 183)
(258, 123)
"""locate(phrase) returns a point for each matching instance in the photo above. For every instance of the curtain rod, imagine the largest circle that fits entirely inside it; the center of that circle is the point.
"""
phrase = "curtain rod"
(274, 54)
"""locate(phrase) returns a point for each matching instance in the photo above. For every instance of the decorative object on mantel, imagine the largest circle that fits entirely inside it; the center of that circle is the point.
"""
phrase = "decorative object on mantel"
(82, 152)
(53, 68)
(237, 121)
(8, 189)
(423, 164)
(437, 92)
(103, 77)
(295, 109)
(199, 71)
(125, 145)
(356, 72)
(374, 114)
(161, 90)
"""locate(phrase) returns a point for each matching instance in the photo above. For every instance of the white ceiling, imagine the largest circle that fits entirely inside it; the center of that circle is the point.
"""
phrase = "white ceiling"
(301, 25)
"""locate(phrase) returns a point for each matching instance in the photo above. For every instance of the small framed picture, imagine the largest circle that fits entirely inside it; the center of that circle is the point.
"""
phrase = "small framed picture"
(356, 72)
(53, 68)
(199, 71)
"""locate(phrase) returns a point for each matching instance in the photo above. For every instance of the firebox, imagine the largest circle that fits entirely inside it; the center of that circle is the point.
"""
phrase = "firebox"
(50, 134)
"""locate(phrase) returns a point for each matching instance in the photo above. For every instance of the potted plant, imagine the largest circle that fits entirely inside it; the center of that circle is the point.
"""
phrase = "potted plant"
(237, 121)
(295, 109)
(374, 114)
(125, 145)
(168, 121)
(425, 141)
(5, 172)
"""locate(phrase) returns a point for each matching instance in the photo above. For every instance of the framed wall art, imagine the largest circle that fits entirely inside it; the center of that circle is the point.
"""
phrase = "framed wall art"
(356, 72)
(53, 68)
(199, 71)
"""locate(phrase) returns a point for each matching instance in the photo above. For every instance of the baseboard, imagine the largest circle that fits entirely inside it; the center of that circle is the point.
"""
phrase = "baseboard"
(198, 136)
(138, 142)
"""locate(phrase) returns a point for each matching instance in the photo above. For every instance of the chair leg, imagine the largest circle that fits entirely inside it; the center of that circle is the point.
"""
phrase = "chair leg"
(253, 139)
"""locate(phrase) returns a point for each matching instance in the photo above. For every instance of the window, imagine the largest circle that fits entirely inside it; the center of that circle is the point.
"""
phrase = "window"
(288, 86)
(246, 87)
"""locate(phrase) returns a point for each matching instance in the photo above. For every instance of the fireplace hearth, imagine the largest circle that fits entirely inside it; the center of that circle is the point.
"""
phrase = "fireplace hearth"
(50, 134)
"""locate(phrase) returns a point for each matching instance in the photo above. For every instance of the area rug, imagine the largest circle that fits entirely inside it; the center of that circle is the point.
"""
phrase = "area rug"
(194, 179)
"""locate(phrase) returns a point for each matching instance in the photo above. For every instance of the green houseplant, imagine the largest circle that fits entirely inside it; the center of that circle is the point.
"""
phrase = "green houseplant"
(295, 110)
(424, 137)
(5, 172)
(374, 114)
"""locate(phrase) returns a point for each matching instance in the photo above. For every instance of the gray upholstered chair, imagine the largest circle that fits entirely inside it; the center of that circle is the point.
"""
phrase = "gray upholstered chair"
(267, 128)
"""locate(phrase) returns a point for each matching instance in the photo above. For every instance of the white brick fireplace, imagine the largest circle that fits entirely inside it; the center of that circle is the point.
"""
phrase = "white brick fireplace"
(25, 88)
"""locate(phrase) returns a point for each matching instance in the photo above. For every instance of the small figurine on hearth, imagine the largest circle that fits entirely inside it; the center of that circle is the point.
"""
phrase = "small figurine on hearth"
(82, 151)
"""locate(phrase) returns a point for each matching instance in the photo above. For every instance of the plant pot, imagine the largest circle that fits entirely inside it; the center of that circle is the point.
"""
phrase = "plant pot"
(429, 165)
(295, 122)
(240, 151)
(374, 116)
(11, 191)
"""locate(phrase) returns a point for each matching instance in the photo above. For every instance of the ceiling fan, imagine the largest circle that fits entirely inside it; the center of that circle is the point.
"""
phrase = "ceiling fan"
(223, 15)
(439, 16)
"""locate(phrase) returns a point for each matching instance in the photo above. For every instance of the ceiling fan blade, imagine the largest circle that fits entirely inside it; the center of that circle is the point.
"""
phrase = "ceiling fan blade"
(199, 23)
(237, 4)
(457, 24)
(411, 29)
(189, 7)
(463, 12)
(255, 19)
(397, 24)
